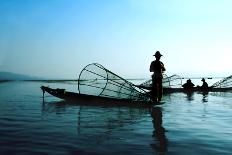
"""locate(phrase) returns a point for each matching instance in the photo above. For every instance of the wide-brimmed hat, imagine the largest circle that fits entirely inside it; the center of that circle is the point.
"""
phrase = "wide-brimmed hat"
(157, 53)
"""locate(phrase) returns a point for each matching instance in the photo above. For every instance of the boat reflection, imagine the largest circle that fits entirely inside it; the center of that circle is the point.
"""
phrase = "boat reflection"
(57, 107)
(89, 116)
(159, 131)
(61, 106)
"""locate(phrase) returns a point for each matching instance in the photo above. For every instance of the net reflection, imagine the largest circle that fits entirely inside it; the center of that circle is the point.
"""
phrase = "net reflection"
(99, 118)
(159, 131)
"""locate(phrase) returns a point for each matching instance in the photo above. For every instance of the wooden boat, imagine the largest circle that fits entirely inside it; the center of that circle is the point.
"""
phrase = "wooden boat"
(94, 100)
(196, 89)
(167, 90)
(173, 84)
(98, 85)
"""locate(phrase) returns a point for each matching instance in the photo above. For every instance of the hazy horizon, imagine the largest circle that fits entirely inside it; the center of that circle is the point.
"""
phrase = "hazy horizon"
(58, 38)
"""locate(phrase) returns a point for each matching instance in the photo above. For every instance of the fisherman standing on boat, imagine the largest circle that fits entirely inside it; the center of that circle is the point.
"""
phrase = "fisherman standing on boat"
(157, 67)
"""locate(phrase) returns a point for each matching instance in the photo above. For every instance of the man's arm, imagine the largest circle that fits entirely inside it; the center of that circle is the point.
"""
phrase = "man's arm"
(151, 67)
(163, 68)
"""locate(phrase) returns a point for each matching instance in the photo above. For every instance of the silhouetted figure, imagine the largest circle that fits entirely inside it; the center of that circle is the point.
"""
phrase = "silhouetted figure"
(204, 84)
(157, 67)
(188, 85)
(159, 130)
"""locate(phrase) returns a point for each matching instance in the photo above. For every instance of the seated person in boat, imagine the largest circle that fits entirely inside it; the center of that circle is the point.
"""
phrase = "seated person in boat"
(188, 84)
(204, 84)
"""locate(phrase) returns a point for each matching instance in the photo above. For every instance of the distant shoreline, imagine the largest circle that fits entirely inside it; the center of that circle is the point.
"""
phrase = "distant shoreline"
(5, 81)
(36, 80)
(54, 80)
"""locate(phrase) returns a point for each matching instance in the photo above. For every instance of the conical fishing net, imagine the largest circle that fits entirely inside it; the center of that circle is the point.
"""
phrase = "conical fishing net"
(173, 81)
(96, 80)
(224, 83)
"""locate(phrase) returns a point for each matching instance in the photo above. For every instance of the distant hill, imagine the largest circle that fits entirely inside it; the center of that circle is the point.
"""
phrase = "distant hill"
(14, 76)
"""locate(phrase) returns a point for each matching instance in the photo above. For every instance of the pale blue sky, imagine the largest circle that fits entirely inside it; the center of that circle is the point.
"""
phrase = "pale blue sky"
(57, 38)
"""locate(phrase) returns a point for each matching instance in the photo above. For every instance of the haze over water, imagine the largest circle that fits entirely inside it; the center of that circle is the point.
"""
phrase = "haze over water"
(194, 123)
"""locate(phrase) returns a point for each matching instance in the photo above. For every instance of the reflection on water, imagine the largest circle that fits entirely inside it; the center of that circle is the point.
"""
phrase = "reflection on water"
(112, 120)
(205, 96)
(196, 124)
(90, 119)
(159, 130)
(190, 95)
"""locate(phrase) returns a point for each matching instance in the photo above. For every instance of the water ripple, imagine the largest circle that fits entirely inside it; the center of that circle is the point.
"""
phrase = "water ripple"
(185, 124)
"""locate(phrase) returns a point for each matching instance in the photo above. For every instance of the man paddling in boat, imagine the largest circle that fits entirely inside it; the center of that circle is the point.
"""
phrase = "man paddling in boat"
(157, 67)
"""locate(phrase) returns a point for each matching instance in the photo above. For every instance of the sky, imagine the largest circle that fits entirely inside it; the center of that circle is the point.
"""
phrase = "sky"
(57, 38)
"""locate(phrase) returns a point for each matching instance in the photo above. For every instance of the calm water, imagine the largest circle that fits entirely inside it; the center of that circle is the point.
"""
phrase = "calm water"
(194, 123)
